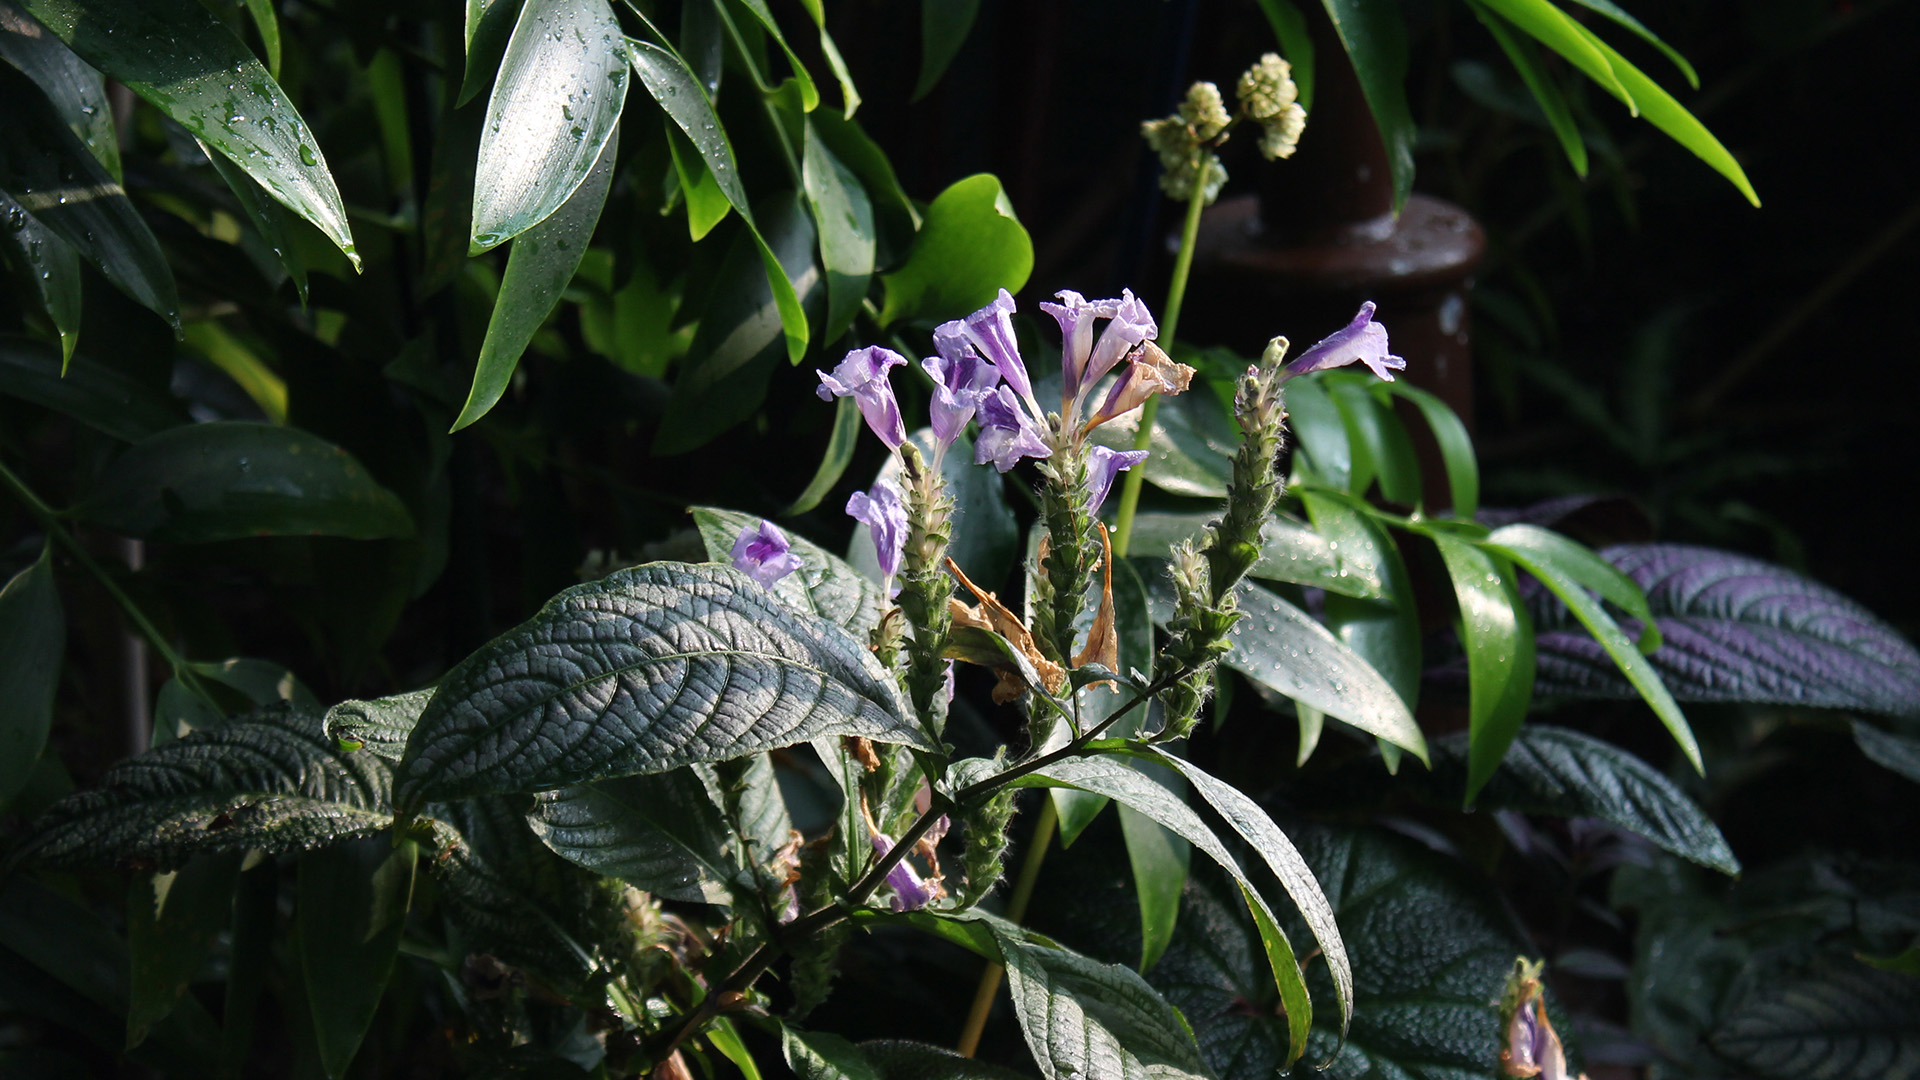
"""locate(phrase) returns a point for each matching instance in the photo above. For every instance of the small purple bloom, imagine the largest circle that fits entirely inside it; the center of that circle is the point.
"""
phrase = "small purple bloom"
(960, 380)
(1361, 341)
(1132, 324)
(863, 376)
(885, 516)
(764, 554)
(909, 892)
(1103, 466)
(1007, 433)
(1075, 314)
(991, 331)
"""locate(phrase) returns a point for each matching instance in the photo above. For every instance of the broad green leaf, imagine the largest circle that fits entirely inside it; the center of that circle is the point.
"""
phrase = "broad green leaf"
(678, 91)
(380, 727)
(825, 585)
(1553, 28)
(489, 25)
(350, 908)
(1320, 434)
(206, 79)
(820, 1055)
(1192, 446)
(725, 1038)
(267, 21)
(1375, 38)
(662, 834)
(969, 248)
(644, 671)
(51, 175)
(809, 94)
(1553, 104)
(833, 464)
(1497, 633)
(232, 479)
(75, 88)
(1289, 551)
(1083, 1018)
(944, 26)
(986, 537)
(269, 218)
(275, 783)
(540, 265)
(51, 265)
(562, 84)
(1385, 632)
(33, 641)
(1456, 446)
(844, 218)
(1842, 1021)
(172, 921)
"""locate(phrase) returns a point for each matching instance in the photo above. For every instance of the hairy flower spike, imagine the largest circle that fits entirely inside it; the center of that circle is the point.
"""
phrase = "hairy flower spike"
(984, 826)
(925, 588)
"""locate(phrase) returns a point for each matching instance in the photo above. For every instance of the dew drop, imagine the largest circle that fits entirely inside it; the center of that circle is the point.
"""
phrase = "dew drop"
(306, 155)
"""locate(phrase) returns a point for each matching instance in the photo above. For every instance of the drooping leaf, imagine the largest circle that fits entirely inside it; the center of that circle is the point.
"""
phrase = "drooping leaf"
(1375, 38)
(206, 79)
(555, 104)
(825, 585)
(1323, 452)
(1381, 450)
(274, 782)
(707, 205)
(834, 462)
(267, 22)
(1497, 633)
(1613, 11)
(1900, 753)
(1841, 1022)
(986, 537)
(1383, 631)
(97, 395)
(489, 25)
(1553, 28)
(75, 88)
(380, 727)
(1159, 859)
(643, 671)
(809, 94)
(662, 834)
(52, 267)
(1553, 104)
(349, 911)
(944, 25)
(1289, 551)
(540, 265)
(33, 641)
(228, 480)
(172, 921)
(844, 217)
(1456, 446)
(969, 248)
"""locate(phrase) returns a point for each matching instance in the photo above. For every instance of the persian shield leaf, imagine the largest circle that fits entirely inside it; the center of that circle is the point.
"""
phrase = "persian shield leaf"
(643, 671)
(826, 585)
(379, 727)
(555, 104)
(661, 833)
(1844, 1022)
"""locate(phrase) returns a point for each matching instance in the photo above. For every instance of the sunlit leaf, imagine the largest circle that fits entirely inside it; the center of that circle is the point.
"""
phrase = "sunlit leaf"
(844, 218)
(969, 248)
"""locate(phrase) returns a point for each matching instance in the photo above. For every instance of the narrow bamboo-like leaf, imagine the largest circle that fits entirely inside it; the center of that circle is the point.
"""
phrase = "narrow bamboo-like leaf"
(1576, 562)
(489, 24)
(242, 364)
(643, 671)
(562, 84)
(52, 176)
(833, 464)
(1379, 439)
(1552, 102)
(1321, 434)
(1498, 636)
(75, 88)
(1553, 28)
(379, 727)
(726, 1039)
(1296, 44)
(844, 217)
(825, 585)
(969, 248)
(178, 56)
(1159, 860)
(1617, 14)
(662, 834)
(849, 96)
(351, 906)
(707, 205)
(52, 267)
(809, 94)
(267, 216)
(1375, 39)
(33, 640)
(267, 21)
(1456, 446)
(543, 260)
(172, 921)
(944, 26)
(1383, 631)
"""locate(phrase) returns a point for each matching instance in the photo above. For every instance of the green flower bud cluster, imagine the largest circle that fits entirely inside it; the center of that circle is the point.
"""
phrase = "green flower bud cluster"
(1182, 139)
(986, 826)
(1073, 550)
(925, 587)
(1270, 98)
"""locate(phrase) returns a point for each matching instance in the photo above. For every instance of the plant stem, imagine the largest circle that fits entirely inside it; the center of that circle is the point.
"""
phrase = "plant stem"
(1043, 828)
(1169, 322)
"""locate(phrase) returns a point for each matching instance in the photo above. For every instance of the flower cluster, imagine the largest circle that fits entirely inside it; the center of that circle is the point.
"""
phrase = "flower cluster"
(1269, 98)
(1186, 140)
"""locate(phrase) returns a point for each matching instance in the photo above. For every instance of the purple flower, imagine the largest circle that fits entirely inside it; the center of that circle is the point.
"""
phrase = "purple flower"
(960, 380)
(863, 376)
(764, 554)
(1361, 341)
(1083, 360)
(885, 517)
(909, 892)
(1103, 466)
(1132, 324)
(990, 330)
(1151, 372)
(1007, 433)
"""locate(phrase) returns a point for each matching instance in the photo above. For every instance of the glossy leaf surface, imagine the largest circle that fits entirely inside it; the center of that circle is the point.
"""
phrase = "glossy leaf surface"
(969, 248)
(52, 267)
(1376, 42)
(1290, 550)
(1498, 636)
(844, 217)
(75, 88)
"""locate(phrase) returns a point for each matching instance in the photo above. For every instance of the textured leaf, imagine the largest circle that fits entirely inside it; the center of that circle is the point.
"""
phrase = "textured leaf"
(662, 833)
(944, 26)
(985, 534)
(844, 217)
(93, 393)
(1289, 551)
(1848, 1022)
(539, 267)
(275, 782)
(75, 88)
(825, 585)
(1375, 38)
(228, 480)
(1498, 636)
(172, 921)
(898, 1059)
(350, 908)
(51, 265)
(970, 246)
(33, 640)
(820, 1055)
(380, 727)
(555, 104)
(206, 79)
(643, 671)
(1734, 628)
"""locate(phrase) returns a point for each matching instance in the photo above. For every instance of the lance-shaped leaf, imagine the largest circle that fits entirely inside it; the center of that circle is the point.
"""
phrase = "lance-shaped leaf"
(1375, 38)
(1498, 635)
(172, 921)
(350, 908)
(52, 267)
(1553, 104)
(643, 671)
(555, 104)
(944, 25)
(99, 396)
(380, 727)
(826, 585)
(75, 88)
(662, 834)
(33, 638)
(844, 216)
(1385, 632)
(178, 56)
(275, 782)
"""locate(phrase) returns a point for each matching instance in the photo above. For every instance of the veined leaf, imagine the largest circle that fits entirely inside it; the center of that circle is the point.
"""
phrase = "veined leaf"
(969, 248)
(206, 79)
(1376, 42)
(555, 104)
(379, 727)
(1842, 1022)
(350, 908)
(1498, 635)
(825, 585)
(662, 833)
(644, 671)
(944, 26)
(898, 1059)
(33, 640)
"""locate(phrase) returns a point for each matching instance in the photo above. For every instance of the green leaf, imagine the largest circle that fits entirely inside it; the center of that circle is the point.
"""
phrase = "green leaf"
(173, 919)
(809, 94)
(1575, 561)
(1379, 441)
(819, 1055)
(1289, 551)
(944, 26)
(726, 1039)
(555, 104)
(663, 834)
(1385, 632)
(206, 79)
(489, 24)
(1498, 635)
(539, 267)
(52, 267)
(49, 172)
(1553, 28)
(269, 218)
(1083, 1018)
(1320, 433)
(267, 21)
(379, 727)
(833, 464)
(276, 783)
(644, 671)
(33, 640)
(1613, 11)
(350, 909)
(1192, 445)
(262, 682)
(1900, 753)
(232, 479)
(1375, 38)
(1842, 1022)
(1456, 446)
(1159, 859)
(1553, 104)
(75, 88)
(859, 153)
(707, 205)
(969, 248)
(825, 585)
(844, 218)
(1296, 44)
(985, 535)
(899, 1059)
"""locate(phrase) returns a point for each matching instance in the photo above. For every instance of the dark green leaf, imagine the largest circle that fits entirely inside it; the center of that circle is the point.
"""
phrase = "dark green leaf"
(969, 248)
(351, 907)
(267, 216)
(206, 79)
(379, 727)
(859, 153)
(172, 921)
(825, 585)
(1901, 753)
(1375, 39)
(489, 24)
(819, 1055)
(1323, 452)
(1842, 1022)
(554, 107)
(809, 94)
(1553, 104)
(944, 26)
(1456, 446)
(51, 265)
(833, 464)
(662, 833)
(1159, 860)
(33, 641)
(643, 671)
(898, 1059)
(1380, 443)
(232, 479)
(1296, 44)
(1385, 632)
(267, 21)
(261, 682)
(844, 217)
(75, 88)
(539, 267)
(1498, 635)
(1192, 447)
(985, 535)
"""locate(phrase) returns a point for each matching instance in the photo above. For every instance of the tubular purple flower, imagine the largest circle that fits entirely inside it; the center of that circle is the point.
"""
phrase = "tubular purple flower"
(910, 893)
(1075, 314)
(885, 515)
(1007, 433)
(1151, 372)
(1131, 324)
(764, 554)
(1360, 341)
(1104, 464)
(960, 380)
(863, 376)
(991, 331)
